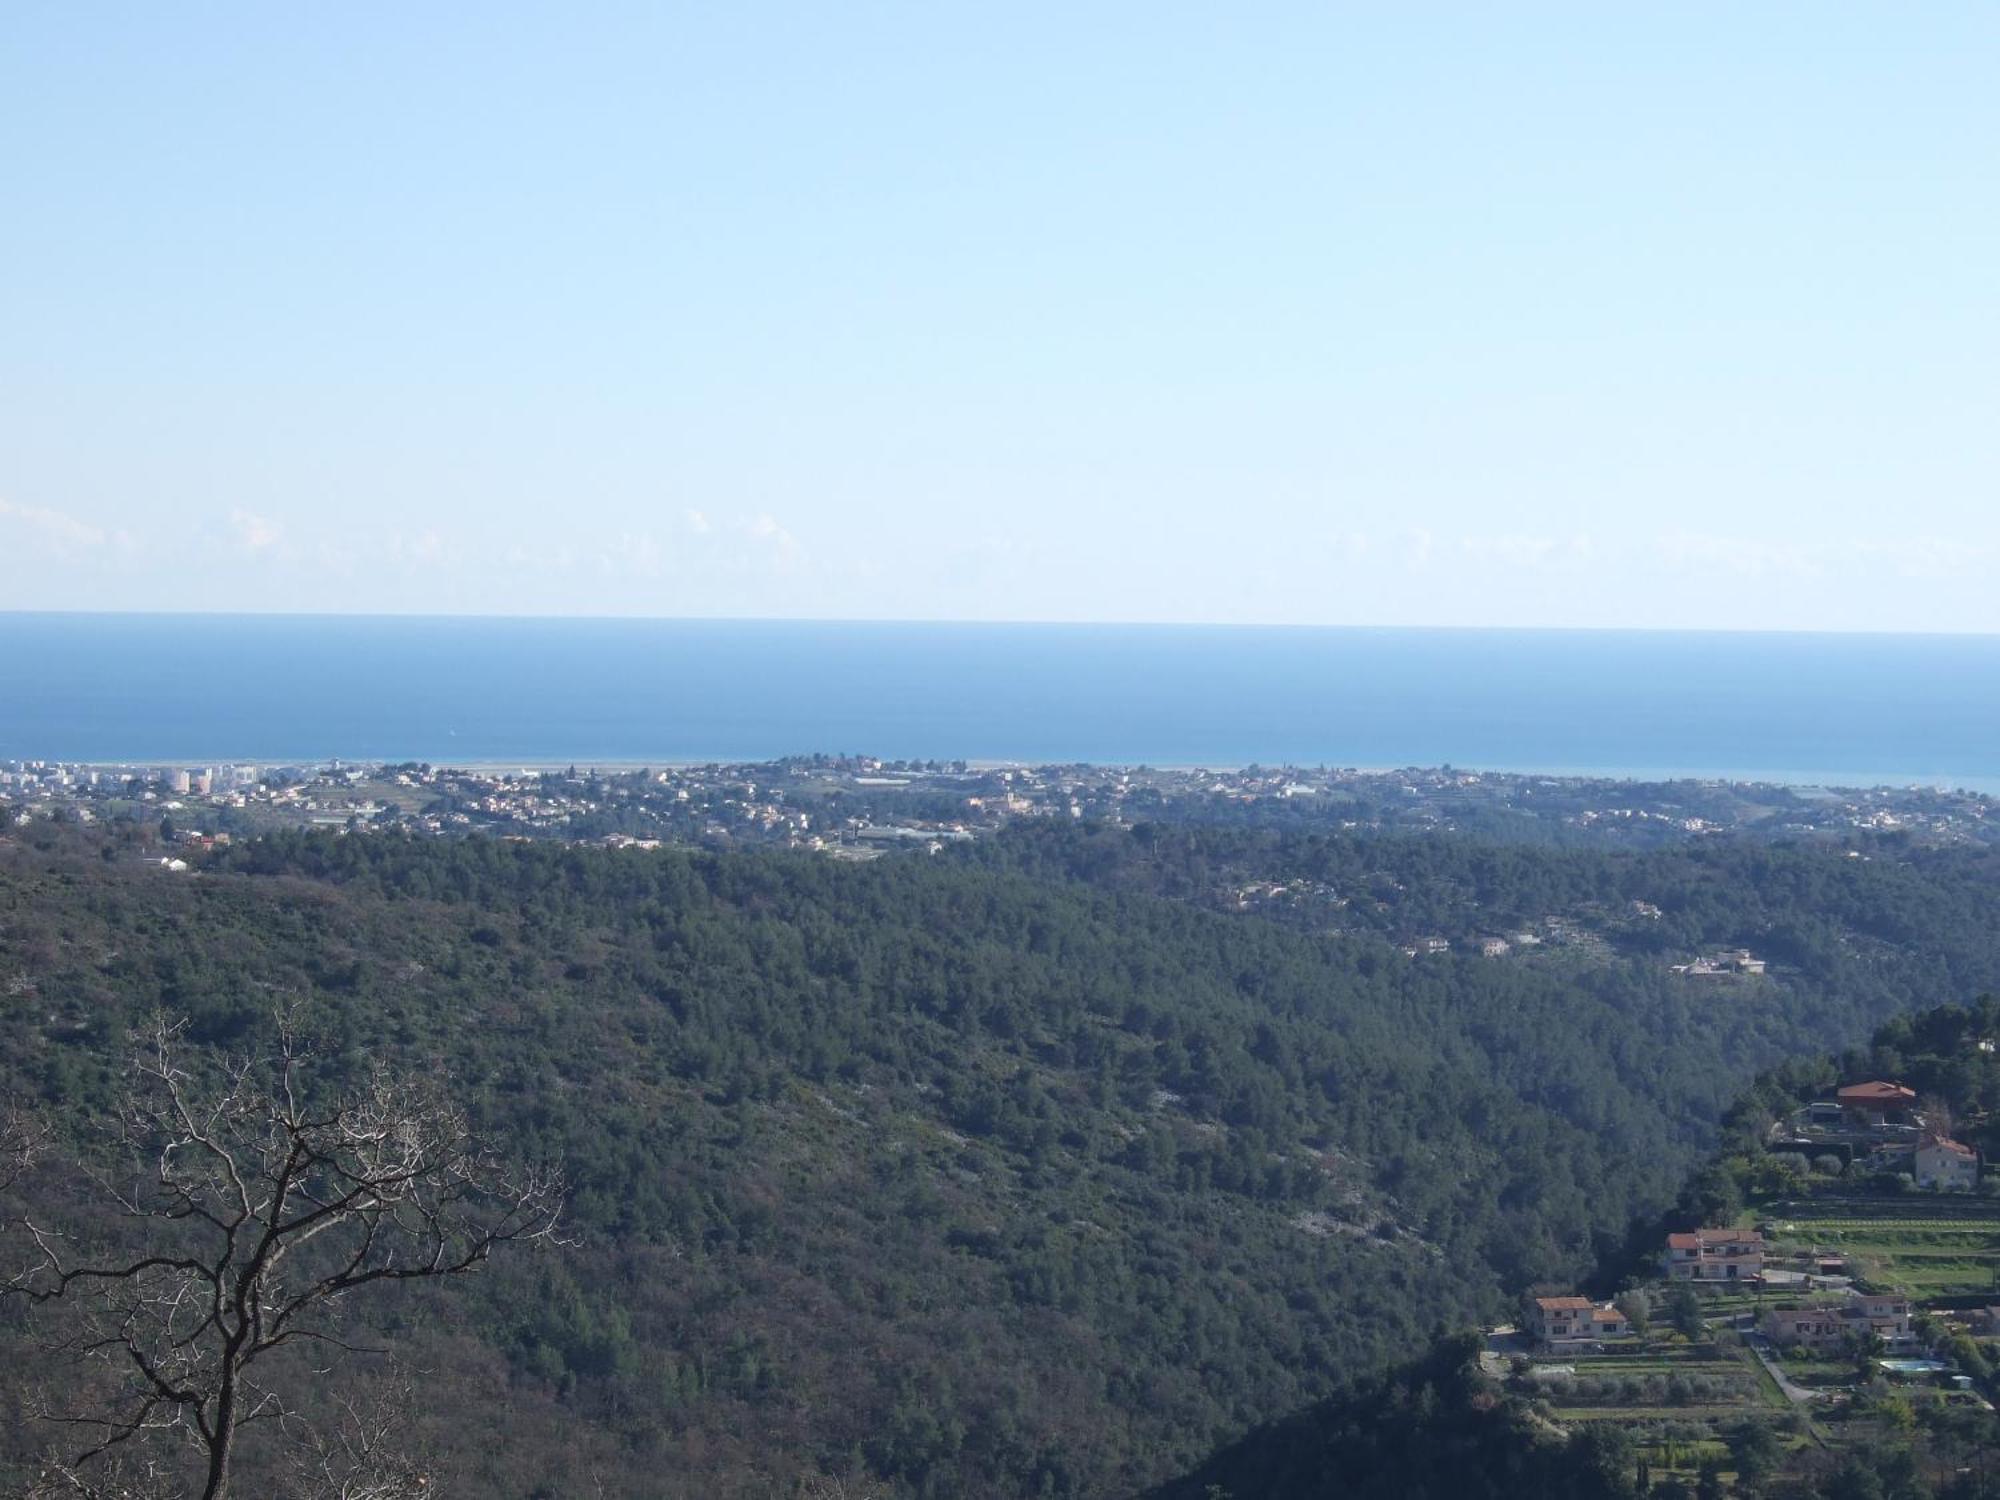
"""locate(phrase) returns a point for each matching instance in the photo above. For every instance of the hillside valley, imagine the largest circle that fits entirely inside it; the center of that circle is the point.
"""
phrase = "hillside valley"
(1029, 1168)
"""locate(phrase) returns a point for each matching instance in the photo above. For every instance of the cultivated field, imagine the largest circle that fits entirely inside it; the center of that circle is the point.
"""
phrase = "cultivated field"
(1943, 1247)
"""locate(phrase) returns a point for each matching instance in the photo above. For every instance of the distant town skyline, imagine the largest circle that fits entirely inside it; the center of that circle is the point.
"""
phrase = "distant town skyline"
(1549, 316)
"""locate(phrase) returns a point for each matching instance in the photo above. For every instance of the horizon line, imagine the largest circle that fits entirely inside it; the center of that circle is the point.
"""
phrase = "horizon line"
(977, 622)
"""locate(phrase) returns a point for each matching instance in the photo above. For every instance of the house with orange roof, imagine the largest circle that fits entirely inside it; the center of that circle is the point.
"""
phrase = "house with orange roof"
(1826, 1327)
(1872, 1105)
(1819, 1329)
(1711, 1255)
(1888, 1315)
(1567, 1325)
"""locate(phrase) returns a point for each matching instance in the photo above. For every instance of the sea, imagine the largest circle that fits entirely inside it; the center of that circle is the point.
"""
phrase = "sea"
(1834, 710)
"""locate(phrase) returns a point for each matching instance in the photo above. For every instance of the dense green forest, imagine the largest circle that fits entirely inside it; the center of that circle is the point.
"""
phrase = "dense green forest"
(1019, 1170)
(1430, 1429)
(1891, 912)
(1437, 1426)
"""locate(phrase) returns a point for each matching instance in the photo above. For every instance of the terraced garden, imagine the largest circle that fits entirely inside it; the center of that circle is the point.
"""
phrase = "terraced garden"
(1946, 1248)
(1717, 1413)
(1681, 1400)
(1678, 1399)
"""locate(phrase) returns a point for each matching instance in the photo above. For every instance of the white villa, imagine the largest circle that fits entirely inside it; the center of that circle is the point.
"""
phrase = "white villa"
(1947, 1165)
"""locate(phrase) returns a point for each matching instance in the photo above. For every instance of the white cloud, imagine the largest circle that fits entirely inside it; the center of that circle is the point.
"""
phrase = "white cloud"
(1520, 550)
(1706, 552)
(558, 559)
(428, 548)
(1927, 556)
(1514, 548)
(1920, 556)
(60, 531)
(633, 553)
(254, 533)
(336, 559)
(780, 543)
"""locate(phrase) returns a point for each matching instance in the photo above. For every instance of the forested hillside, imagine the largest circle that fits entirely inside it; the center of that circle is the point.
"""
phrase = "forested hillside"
(1011, 1173)
(1433, 1428)
(1883, 914)
(1437, 1426)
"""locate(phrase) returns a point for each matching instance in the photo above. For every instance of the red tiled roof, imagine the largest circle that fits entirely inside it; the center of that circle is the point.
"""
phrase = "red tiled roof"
(1681, 1242)
(1562, 1304)
(1876, 1092)
(1956, 1148)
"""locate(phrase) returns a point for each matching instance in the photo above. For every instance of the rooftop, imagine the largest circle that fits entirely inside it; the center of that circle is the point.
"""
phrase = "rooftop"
(1714, 1237)
(1956, 1148)
(1876, 1092)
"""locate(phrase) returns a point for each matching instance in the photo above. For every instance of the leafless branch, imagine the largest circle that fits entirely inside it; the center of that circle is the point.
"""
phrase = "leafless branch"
(263, 1207)
(23, 1141)
(359, 1455)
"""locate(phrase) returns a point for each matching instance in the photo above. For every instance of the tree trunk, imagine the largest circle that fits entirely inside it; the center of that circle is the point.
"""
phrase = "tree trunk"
(224, 1439)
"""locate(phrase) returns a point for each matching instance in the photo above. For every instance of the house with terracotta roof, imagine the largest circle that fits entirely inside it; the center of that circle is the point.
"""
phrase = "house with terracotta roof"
(1883, 1315)
(1566, 1325)
(1887, 1315)
(1819, 1329)
(1712, 1255)
(1947, 1165)
(1875, 1104)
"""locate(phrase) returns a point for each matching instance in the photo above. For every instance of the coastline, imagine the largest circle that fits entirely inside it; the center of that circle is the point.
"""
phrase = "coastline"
(1791, 781)
(1801, 710)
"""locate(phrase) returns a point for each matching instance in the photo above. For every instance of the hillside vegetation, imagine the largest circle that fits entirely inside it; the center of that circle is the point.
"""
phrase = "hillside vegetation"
(1433, 1428)
(1020, 1172)
(1438, 1425)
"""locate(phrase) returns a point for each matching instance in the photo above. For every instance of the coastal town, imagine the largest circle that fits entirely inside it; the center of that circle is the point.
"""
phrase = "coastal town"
(853, 808)
(858, 807)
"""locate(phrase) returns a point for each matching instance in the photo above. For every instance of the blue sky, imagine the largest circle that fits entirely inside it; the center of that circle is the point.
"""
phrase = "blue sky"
(1417, 314)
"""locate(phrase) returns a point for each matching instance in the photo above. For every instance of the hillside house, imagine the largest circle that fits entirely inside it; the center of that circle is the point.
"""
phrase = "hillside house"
(1876, 1104)
(1884, 1314)
(1828, 1327)
(1820, 1329)
(1946, 1165)
(1737, 961)
(1831, 1327)
(1565, 1325)
(1711, 1255)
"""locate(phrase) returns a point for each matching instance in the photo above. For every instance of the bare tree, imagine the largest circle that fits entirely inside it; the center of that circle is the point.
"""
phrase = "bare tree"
(22, 1142)
(829, 1487)
(1935, 1112)
(357, 1452)
(113, 1479)
(359, 1455)
(261, 1209)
